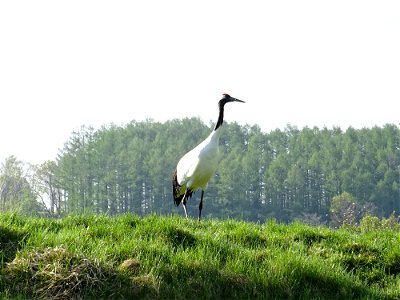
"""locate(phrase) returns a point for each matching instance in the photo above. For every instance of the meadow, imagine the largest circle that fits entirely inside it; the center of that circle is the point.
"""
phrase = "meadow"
(154, 257)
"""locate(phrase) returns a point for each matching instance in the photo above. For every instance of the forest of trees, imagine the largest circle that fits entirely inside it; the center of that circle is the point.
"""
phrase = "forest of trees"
(321, 176)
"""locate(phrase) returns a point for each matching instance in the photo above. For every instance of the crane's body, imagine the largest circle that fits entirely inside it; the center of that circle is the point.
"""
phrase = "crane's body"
(198, 166)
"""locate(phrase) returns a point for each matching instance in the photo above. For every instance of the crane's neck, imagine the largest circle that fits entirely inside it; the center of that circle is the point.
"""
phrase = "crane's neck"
(213, 138)
(220, 117)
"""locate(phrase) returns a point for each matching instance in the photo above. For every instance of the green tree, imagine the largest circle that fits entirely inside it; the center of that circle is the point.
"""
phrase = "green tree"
(44, 186)
(15, 191)
(284, 174)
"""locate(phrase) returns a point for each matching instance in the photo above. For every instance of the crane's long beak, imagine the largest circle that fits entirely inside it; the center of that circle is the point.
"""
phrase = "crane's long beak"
(236, 100)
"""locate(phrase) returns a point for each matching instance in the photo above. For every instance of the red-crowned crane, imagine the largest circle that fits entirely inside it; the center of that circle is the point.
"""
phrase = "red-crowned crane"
(196, 167)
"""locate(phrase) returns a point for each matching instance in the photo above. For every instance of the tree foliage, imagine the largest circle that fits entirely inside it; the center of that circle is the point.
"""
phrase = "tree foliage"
(284, 174)
(15, 192)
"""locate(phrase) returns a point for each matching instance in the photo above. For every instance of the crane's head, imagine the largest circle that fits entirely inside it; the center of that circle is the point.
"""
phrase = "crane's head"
(226, 98)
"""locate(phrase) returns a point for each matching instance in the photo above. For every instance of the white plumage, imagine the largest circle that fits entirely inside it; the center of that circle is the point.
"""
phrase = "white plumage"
(198, 166)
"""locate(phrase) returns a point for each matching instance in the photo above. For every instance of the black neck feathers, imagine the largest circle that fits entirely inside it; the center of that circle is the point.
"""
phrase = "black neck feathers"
(221, 104)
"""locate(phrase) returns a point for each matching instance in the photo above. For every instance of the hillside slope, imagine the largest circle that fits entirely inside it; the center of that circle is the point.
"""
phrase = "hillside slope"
(99, 257)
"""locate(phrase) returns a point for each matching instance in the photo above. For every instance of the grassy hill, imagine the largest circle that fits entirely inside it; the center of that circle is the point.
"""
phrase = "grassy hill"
(100, 257)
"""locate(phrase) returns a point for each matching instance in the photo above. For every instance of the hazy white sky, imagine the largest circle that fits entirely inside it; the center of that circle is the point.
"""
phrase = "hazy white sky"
(64, 64)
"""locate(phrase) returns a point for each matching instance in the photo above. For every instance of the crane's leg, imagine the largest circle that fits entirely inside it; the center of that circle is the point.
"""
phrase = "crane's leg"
(184, 204)
(201, 204)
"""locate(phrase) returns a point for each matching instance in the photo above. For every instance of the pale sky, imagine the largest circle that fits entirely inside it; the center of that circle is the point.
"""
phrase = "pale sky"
(64, 64)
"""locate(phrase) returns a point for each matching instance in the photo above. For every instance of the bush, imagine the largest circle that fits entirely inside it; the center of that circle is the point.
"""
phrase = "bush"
(373, 223)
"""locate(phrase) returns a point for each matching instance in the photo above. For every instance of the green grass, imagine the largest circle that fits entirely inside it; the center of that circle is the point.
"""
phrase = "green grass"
(82, 257)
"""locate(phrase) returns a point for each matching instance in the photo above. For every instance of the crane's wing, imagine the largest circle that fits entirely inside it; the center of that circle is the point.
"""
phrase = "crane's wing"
(177, 190)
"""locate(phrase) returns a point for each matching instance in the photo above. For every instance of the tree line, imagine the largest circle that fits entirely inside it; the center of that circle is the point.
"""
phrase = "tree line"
(311, 174)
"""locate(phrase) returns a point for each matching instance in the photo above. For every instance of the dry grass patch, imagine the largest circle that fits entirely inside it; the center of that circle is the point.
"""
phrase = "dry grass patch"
(56, 273)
